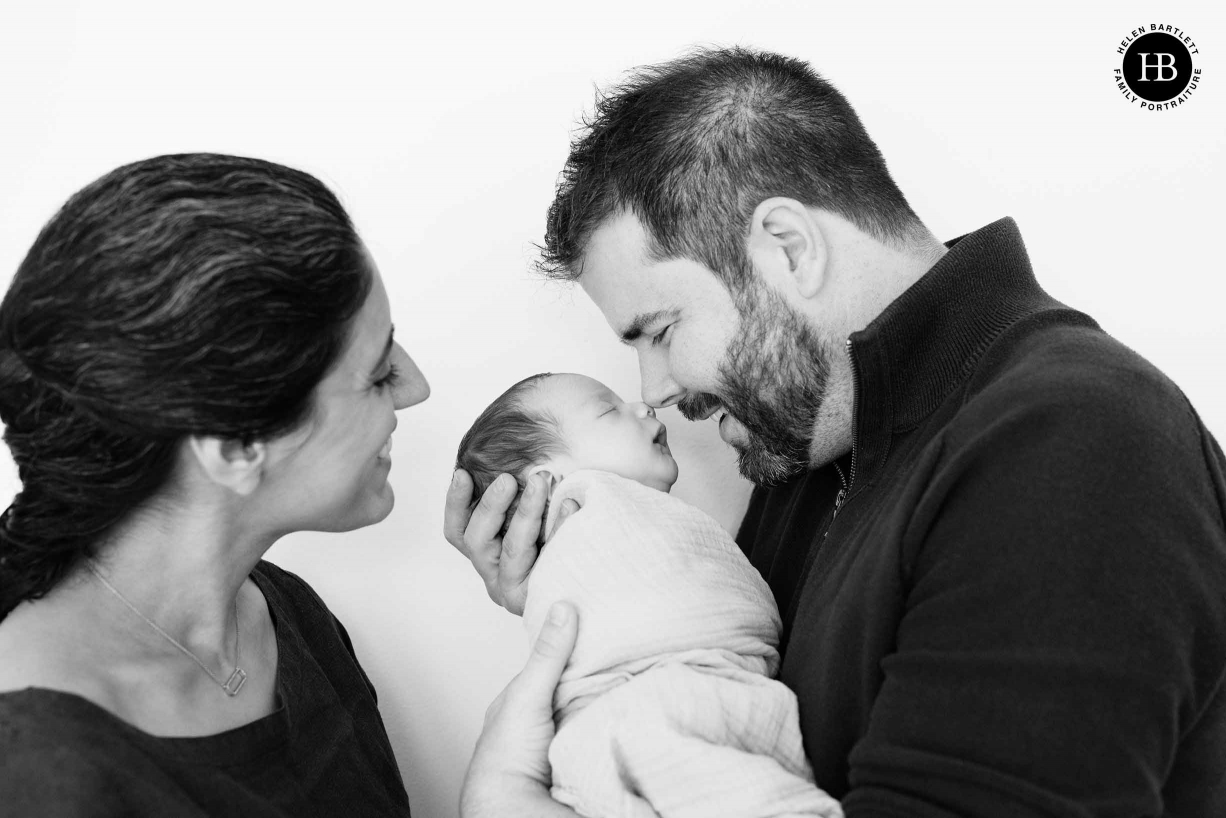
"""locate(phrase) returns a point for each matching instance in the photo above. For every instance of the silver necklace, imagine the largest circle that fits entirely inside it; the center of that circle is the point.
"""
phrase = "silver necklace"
(231, 685)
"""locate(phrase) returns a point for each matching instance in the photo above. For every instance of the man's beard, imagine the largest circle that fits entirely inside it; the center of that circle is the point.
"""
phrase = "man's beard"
(773, 380)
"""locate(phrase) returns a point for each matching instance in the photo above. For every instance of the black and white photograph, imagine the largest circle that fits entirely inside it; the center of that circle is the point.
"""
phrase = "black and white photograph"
(696, 409)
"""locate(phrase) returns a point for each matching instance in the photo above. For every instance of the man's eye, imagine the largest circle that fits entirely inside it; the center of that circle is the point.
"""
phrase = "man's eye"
(661, 336)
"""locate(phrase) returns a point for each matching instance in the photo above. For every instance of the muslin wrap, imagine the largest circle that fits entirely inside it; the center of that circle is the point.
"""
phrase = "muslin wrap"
(667, 706)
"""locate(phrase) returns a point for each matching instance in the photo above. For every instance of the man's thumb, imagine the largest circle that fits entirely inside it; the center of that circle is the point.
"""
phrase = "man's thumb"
(552, 649)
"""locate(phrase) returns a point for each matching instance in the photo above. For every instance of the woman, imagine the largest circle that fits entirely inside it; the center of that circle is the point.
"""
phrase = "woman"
(196, 358)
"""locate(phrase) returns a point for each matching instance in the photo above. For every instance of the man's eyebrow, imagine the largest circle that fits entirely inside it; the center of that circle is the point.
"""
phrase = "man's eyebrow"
(387, 348)
(643, 320)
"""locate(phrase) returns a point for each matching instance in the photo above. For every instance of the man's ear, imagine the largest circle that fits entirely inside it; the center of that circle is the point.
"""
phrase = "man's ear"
(787, 247)
(229, 462)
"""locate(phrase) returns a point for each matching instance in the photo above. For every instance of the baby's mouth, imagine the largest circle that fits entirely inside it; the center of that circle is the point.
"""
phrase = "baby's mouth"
(661, 438)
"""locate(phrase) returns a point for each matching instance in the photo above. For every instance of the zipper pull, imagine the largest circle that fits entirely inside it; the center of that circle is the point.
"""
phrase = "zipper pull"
(838, 503)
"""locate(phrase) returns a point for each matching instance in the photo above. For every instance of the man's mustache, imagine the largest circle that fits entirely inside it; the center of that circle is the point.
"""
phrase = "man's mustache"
(695, 407)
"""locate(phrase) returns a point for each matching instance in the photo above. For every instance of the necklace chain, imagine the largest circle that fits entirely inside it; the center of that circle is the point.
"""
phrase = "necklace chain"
(231, 685)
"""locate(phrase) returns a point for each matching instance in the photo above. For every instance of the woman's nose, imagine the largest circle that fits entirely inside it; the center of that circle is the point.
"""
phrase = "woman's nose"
(412, 387)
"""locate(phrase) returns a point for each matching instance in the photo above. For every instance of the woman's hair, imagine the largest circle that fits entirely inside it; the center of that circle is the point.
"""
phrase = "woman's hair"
(509, 437)
(195, 294)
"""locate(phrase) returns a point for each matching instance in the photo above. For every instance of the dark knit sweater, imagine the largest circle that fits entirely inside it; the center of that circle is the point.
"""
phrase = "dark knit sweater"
(324, 751)
(1019, 607)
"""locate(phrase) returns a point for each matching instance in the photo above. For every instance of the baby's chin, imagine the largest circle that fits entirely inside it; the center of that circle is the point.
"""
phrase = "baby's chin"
(654, 481)
(652, 476)
(661, 484)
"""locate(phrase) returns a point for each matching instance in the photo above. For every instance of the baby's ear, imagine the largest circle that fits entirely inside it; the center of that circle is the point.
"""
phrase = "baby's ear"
(550, 472)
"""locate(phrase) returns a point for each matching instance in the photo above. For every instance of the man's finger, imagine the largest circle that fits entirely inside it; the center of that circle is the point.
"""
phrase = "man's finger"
(486, 521)
(478, 539)
(525, 525)
(485, 547)
(519, 548)
(455, 512)
(569, 507)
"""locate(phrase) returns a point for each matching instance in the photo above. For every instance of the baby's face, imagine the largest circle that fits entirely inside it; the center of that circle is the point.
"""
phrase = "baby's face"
(601, 431)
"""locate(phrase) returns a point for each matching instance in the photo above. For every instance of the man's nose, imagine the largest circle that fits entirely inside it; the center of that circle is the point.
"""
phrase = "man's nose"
(658, 387)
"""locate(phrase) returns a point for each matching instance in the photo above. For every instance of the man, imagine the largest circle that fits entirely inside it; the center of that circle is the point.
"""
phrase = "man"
(995, 534)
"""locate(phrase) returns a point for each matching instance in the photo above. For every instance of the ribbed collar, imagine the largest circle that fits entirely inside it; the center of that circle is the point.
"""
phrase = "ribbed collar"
(929, 339)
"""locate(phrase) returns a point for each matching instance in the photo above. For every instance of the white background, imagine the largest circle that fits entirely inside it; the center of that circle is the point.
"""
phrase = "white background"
(443, 129)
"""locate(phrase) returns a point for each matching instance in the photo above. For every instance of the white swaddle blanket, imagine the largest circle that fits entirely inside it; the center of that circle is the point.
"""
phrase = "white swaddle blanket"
(667, 707)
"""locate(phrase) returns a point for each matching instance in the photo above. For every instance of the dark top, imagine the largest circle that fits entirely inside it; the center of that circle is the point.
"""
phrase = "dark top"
(324, 751)
(1020, 606)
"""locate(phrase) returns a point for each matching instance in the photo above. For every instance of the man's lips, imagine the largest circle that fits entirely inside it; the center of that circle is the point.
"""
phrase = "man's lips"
(730, 430)
(698, 406)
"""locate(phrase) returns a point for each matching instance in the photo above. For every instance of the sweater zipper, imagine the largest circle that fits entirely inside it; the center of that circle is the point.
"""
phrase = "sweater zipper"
(846, 480)
(850, 478)
(838, 500)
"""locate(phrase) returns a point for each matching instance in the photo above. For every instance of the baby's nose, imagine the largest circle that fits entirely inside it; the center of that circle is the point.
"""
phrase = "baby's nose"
(645, 411)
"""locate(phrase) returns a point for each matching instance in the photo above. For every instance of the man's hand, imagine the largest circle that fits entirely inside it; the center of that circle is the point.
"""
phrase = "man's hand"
(502, 562)
(509, 775)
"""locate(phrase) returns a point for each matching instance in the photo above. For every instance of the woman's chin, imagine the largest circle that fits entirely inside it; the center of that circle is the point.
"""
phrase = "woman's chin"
(383, 504)
(374, 509)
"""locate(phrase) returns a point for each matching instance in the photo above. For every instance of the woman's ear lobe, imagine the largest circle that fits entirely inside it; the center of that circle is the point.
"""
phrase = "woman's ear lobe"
(230, 463)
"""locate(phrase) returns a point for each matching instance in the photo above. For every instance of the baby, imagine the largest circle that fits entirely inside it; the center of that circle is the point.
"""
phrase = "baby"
(667, 706)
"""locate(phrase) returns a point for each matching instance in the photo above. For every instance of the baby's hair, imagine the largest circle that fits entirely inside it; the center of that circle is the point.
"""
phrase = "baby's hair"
(509, 437)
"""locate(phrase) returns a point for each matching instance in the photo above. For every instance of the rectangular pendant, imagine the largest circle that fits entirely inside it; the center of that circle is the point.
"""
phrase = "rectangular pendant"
(235, 682)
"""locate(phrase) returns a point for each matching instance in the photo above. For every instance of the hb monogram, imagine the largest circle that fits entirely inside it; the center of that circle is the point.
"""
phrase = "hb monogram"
(1161, 65)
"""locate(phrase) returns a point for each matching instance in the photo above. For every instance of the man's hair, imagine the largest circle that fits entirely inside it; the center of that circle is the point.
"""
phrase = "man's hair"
(692, 146)
(509, 437)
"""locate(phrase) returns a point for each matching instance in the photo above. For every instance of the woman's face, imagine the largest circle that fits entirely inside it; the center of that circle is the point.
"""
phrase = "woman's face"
(331, 473)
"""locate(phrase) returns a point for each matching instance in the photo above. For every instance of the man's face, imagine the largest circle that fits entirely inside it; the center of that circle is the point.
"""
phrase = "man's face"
(752, 362)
